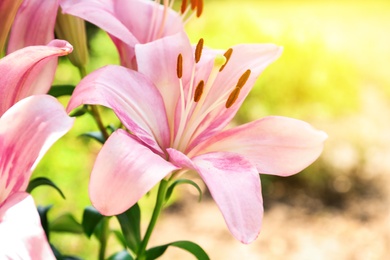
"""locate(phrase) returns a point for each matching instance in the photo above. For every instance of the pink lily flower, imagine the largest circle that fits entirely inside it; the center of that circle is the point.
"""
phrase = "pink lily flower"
(130, 22)
(26, 72)
(33, 24)
(28, 127)
(27, 130)
(176, 108)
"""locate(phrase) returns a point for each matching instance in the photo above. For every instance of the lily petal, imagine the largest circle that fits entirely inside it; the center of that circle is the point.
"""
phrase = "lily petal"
(127, 22)
(21, 233)
(27, 130)
(123, 173)
(134, 99)
(158, 61)
(234, 185)
(275, 145)
(22, 71)
(33, 25)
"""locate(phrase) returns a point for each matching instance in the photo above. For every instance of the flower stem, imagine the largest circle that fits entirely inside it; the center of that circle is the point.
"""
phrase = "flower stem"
(103, 239)
(162, 189)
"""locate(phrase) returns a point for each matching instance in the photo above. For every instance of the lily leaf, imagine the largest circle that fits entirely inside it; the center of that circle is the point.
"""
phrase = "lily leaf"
(122, 255)
(61, 90)
(189, 246)
(66, 223)
(98, 136)
(42, 211)
(43, 181)
(91, 219)
(131, 226)
(182, 181)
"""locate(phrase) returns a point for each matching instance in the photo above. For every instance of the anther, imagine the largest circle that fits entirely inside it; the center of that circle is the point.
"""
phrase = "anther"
(193, 4)
(227, 55)
(244, 77)
(179, 68)
(199, 8)
(232, 97)
(198, 50)
(183, 6)
(199, 91)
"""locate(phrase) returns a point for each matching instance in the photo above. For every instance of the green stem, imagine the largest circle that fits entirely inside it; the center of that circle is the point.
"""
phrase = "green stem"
(103, 239)
(98, 120)
(162, 189)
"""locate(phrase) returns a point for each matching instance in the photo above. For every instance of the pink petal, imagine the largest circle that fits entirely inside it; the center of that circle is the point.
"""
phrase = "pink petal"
(275, 145)
(34, 24)
(27, 130)
(123, 172)
(21, 233)
(234, 185)
(127, 22)
(22, 71)
(158, 61)
(255, 57)
(134, 99)
(8, 10)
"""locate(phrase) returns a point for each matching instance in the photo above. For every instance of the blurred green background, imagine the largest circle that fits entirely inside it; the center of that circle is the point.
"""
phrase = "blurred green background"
(333, 73)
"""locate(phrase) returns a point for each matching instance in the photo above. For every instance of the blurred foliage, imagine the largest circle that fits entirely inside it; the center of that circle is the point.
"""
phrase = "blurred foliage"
(334, 54)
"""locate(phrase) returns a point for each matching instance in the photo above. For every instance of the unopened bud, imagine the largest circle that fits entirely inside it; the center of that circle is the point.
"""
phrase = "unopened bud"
(72, 29)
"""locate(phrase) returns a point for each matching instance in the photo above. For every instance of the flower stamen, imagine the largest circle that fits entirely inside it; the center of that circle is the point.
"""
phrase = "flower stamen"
(244, 77)
(198, 50)
(179, 67)
(227, 55)
(236, 91)
(183, 6)
(199, 91)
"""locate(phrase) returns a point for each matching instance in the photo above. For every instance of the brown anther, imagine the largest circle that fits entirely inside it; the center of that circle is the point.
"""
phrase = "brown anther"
(227, 55)
(199, 8)
(199, 91)
(198, 50)
(244, 77)
(183, 6)
(232, 97)
(179, 68)
(193, 4)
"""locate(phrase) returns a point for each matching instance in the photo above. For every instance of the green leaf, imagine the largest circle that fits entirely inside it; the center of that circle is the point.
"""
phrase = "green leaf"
(42, 211)
(91, 218)
(131, 226)
(61, 90)
(189, 246)
(98, 136)
(122, 255)
(182, 181)
(79, 112)
(119, 236)
(43, 181)
(66, 223)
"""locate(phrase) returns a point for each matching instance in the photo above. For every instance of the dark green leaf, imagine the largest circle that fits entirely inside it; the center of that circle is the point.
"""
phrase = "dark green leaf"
(80, 111)
(122, 255)
(131, 226)
(98, 136)
(61, 90)
(121, 239)
(66, 223)
(182, 181)
(91, 218)
(189, 246)
(44, 222)
(43, 181)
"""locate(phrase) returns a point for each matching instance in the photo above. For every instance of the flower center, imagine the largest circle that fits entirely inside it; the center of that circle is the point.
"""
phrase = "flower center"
(192, 103)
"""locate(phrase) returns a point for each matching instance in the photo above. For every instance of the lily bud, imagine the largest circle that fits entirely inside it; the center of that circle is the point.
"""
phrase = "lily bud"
(72, 29)
(8, 10)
